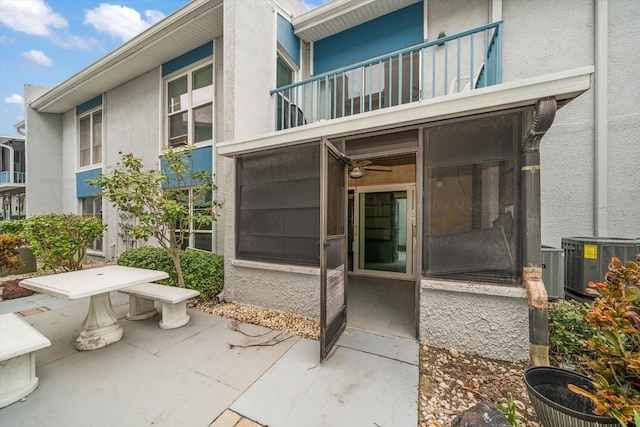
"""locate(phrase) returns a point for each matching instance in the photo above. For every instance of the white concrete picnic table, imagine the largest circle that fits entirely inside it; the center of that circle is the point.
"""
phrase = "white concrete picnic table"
(100, 328)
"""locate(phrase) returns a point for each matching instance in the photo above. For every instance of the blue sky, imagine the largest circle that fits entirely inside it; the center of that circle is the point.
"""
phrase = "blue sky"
(44, 42)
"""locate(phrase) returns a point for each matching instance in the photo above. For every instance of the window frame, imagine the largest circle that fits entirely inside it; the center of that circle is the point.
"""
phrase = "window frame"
(193, 230)
(92, 148)
(507, 194)
(191, 108)
(312, 209)
(97, 246)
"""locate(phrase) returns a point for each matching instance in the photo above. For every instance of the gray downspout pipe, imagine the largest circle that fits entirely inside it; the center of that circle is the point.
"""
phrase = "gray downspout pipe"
(544, 113)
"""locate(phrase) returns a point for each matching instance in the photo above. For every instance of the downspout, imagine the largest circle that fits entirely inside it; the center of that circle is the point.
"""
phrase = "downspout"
(544, 113)
(600, 119)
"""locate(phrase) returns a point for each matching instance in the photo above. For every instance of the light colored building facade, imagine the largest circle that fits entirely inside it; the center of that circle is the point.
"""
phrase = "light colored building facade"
(432, 145)
(13, 181)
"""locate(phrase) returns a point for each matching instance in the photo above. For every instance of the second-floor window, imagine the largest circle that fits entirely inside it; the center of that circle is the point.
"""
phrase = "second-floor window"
(190, 107)
(284, 74)
(90, 141)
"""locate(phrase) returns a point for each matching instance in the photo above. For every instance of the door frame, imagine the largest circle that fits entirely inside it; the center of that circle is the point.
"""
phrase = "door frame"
(410, 270)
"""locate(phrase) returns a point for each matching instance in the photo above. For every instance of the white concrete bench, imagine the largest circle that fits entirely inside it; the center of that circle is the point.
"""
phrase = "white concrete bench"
(174, 303)
(18, 344)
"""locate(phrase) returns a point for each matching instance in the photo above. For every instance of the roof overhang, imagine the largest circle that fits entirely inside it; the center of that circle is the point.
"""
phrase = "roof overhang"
(339, 15)
(4, 139)
(193, 25)
(564, 86)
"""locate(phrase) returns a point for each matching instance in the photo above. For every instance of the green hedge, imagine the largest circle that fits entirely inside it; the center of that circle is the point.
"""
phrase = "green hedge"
(203, 271)
(569, 333)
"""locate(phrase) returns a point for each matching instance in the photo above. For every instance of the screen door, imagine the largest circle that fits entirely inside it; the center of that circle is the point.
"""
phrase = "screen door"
(333, 246)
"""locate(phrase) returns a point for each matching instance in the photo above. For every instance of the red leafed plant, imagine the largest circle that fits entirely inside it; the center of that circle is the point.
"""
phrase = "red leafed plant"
(616, 317)
(9, 252)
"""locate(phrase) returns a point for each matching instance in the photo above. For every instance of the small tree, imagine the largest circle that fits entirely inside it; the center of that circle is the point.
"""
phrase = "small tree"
(160, 200)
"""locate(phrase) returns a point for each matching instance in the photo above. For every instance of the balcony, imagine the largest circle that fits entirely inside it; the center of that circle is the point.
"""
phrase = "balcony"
(7, 184)
(451, 64)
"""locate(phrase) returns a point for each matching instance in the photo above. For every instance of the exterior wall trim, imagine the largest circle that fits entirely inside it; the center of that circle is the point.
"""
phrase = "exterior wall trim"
(487, 289)
(285, 268)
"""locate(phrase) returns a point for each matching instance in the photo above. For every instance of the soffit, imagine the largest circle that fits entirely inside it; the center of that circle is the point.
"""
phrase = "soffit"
(564, 86)
(339, 15)
(195, 24)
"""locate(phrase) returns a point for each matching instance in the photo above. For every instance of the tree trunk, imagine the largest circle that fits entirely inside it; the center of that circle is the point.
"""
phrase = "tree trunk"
(174, 254)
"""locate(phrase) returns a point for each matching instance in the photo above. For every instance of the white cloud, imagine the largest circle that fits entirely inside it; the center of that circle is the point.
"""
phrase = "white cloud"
(154, 16)
(15, 99)
(120, 22)
(38, 57)
(69, 41)
(33, 17)
(6, 40)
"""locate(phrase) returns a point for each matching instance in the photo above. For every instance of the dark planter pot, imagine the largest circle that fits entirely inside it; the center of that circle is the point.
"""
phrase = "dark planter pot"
(556, 405)
(30, 264)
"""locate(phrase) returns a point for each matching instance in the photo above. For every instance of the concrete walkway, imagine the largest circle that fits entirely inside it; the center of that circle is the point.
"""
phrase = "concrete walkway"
(207, 373)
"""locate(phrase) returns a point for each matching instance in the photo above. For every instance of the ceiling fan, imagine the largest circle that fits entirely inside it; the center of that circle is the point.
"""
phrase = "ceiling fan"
(357, 168)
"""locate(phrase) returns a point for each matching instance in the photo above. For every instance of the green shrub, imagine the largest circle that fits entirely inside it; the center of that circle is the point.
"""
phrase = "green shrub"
(203, 271)
(59, 240)
(151, 258)
(569, 333)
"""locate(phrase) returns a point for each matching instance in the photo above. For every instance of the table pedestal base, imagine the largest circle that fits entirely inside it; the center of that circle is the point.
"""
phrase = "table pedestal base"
(100, 327)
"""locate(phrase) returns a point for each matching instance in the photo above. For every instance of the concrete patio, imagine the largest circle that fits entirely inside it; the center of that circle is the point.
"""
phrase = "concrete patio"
(206, 373)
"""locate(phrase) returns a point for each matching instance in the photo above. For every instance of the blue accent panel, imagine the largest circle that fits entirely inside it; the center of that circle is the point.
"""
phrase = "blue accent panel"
(89, 105)
(83, 189)
(202, 160)
(382, 35)
(187, 59)
(288, 40)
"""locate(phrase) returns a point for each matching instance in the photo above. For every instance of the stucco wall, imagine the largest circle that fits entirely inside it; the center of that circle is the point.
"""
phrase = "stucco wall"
(249, 76)
(284, 288)
(453, 17)
(250, 67)
(70, 155)
(489, 320)
(219, 126)
(43, 149)
(624, 119)
(132, 124)
(553, 36)
(539, 40)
